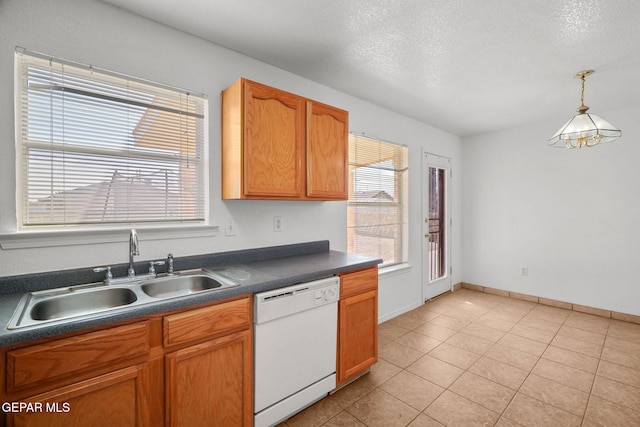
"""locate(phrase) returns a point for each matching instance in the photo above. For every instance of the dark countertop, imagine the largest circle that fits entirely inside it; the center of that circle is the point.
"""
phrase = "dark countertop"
(256, 270)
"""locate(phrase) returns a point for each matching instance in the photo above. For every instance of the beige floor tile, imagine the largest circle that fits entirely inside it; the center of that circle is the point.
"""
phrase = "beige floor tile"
(506, 314)
(496, 321)
(480, 390)
(535, 334)
(316, 415)
(454, 355)
(505, 422)
(344, 419)
(388, 332)
(531, 412)
(577, 345)
(518, 305)
(624, 330)
(435, 370)
(413, 319)
(483, 331)
(379, 373)
(470, 342)
(616, 392)
(463, 315)
(512, 356)
(399, 354)
(549, 313)
(453, 410)
(423, 420)
(353, 392)
(581, 334)
(418, 342)
(602, 413)
(499, 372)
(523, 344)
(619, 373)
(412, 390)
(442, 305)
(622, 344)
(624, 358)
(563, 374)
(538, 321)
(434, 331)
(450, 322)
(588, 322)
(571, 358)
(475, 309)
(555, 394)
(379, 408)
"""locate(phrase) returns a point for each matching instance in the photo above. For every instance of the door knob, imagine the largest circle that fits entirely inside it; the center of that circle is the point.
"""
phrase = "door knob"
(427, 235)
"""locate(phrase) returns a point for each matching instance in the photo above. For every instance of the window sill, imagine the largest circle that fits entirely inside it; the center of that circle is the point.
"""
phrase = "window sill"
(393, 269)
(43, 239)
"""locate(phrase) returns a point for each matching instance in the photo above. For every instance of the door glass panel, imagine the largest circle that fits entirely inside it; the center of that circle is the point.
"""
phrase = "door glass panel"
(437, 223)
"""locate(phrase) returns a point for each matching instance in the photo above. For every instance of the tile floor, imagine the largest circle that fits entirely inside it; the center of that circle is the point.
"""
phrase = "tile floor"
(470, 358)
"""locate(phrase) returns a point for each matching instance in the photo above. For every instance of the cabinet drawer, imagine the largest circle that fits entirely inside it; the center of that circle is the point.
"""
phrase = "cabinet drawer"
(207, 322)
(358, 281)
(66, 360)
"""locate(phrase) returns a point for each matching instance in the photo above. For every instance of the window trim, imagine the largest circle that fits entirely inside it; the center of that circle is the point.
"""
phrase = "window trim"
(50, 238)
(24, 235)
(402, 206)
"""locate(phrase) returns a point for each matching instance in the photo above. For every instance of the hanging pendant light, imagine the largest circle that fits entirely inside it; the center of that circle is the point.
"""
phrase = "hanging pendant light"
(584, 129)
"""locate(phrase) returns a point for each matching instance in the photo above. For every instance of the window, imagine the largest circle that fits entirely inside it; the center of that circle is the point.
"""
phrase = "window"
(377, 206)
(96, 147)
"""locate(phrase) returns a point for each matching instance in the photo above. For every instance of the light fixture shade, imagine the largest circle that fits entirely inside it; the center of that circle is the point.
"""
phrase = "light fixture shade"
(584, 130)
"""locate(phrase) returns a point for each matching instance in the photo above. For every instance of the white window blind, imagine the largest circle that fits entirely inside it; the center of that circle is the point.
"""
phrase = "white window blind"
(377, 206)
(96, 147)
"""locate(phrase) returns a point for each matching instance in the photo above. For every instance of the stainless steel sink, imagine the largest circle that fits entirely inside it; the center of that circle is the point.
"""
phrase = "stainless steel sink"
(78, 304)
(70, 303)
(175, 286)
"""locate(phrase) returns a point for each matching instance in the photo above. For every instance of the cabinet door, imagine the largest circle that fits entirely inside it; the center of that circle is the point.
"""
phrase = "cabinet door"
(358, 334)
(211, 384)
(273, 143)
(118, 399)
(327, 152)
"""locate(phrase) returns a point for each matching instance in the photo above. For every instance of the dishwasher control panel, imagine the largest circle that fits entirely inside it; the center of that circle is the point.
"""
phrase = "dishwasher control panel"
(271, 305)
(328, 294)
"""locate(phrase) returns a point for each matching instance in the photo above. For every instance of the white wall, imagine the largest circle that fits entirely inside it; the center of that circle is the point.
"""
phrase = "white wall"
(570, 216)
(95, 33)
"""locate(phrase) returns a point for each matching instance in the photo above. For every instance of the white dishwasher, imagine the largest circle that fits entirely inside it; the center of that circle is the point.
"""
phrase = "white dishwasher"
(295, 348)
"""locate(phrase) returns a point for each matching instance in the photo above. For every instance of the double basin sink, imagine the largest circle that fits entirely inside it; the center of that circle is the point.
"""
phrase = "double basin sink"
(64, 304)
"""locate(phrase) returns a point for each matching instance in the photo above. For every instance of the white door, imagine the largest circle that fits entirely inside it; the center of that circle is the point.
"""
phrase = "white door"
(436, 225)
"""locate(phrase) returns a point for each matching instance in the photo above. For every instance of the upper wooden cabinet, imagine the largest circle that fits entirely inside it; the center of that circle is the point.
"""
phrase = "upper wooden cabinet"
(277, 145)
(327, 152)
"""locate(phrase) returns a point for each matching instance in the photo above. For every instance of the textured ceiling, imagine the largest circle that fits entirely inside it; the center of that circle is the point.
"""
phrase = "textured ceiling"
(464, 66)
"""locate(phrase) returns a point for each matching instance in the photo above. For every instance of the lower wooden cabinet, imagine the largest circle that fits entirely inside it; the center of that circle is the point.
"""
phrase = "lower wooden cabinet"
(189, 368)
(121, 398)
(357, 323)
(210, 384)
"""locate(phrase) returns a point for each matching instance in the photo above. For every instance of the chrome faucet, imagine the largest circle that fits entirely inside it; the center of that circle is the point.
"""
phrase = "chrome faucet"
(133, 250)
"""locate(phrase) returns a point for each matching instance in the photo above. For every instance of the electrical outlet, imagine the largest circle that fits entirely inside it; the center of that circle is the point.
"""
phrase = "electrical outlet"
(277, 223)
(524, 271)
(230, 228)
